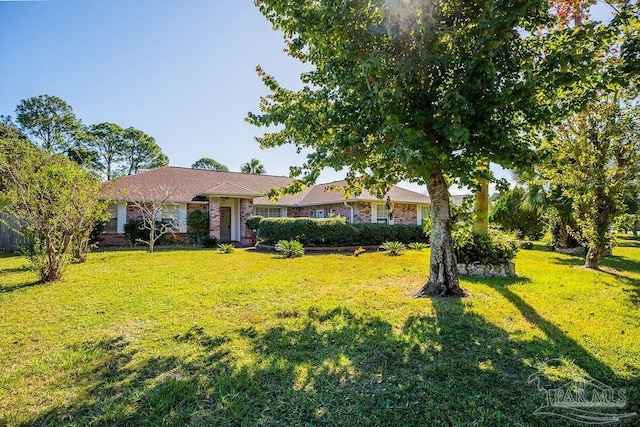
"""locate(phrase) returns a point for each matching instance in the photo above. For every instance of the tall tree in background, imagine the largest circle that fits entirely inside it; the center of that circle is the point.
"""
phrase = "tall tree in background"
(107, 143)
(418, 91)
(592, 156)
(140, 152)
(253, 167)
(207, 163)
(48, 121)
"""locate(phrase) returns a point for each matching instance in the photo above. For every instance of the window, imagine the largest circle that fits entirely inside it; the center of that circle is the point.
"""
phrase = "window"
(267, 212)
(381, 214)
(112, 223)
(320, 213)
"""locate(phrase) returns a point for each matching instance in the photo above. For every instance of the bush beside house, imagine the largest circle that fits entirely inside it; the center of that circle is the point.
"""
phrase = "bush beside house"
(334, 232)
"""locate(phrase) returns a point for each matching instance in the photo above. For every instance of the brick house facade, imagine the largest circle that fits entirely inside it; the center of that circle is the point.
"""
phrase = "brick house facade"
(230, 198)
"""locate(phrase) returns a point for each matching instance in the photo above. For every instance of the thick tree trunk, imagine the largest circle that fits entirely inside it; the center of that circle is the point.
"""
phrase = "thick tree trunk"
(594, 257)
(443, 277)
(481, 208)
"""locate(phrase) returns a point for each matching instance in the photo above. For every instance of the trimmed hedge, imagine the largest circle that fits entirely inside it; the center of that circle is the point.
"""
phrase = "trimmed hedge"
(335, 232)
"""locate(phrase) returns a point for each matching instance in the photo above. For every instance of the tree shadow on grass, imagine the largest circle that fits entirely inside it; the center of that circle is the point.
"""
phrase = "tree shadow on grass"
(332, 367)
(5, 289)
(616, 266)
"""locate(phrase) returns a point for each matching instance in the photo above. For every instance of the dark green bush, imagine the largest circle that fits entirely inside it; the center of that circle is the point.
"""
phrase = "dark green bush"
(198, 225)
(253, 222)
(335, 232)
(490, 249)
(134, 231)
(209, 242)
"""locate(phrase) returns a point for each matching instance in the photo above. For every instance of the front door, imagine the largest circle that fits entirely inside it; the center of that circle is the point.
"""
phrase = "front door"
(225, 224)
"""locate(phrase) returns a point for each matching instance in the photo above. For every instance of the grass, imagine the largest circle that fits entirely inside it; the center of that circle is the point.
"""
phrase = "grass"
(199, 338)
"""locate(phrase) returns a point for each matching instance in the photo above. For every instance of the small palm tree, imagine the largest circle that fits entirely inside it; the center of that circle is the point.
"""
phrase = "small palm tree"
(253, 167)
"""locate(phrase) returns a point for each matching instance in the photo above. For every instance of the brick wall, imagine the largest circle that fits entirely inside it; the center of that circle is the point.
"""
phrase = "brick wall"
(214, 217)
(403, 213)
(247, 237)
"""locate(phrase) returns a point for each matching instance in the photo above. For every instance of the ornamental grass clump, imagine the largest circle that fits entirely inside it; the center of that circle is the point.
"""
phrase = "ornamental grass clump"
(290, 248)
(393, 248)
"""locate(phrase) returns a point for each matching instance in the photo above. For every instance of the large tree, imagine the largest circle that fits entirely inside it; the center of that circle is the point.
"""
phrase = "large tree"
(207, 163)
(107, 143)
(53, 199)
(418, 91)
(48, 121)
(141, 152)
(592, 156)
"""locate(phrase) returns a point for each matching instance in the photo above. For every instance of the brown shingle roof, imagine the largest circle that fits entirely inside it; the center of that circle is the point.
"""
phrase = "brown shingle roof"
(185, 185)
(317, 195)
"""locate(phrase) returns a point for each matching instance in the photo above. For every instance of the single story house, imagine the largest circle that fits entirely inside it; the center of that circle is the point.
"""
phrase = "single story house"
(230, 198)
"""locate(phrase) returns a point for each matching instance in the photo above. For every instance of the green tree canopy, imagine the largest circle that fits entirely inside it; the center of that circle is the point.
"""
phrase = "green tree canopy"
(592, 157)
(48, 121)
(209, 164)
(419, 91)
(253, 167)
(140, 152)
(106, 142)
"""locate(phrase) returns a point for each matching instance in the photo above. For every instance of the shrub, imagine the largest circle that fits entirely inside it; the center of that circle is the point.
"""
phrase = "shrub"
(198, 225)
(134, 231)
(209, 242)
(490, 249)
(253, 222)
(226, 248)
(513, 215)
(393, 248)
(335, 232)
(418, 246)
(290, 248)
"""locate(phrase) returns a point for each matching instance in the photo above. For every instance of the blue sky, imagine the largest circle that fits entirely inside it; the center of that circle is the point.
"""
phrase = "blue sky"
(181, 71)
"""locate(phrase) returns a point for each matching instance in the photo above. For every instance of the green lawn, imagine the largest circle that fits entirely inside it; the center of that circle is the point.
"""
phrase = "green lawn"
(198, 338)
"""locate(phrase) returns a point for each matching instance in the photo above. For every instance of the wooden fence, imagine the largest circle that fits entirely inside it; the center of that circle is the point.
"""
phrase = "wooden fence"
(9, 239)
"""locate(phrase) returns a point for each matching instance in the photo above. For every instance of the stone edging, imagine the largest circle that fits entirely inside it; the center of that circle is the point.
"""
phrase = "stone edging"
(487, 270)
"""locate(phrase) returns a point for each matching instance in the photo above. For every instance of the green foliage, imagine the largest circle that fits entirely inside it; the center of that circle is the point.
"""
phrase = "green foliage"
(253, 222)
(209, 242)
(513, 215)
(489, 249)
(253, 167)
(207, 163)
(591, 157)
(226, 248)
(418, 246)
(393, 248)
(140, 152)
(135, 232)
(335, 232)
(53, 199)
(197, 225)
(290, 248)
(49, 121)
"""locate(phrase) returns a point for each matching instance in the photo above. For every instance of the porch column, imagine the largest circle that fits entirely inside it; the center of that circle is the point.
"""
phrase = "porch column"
(214, 217)
(246, 210)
